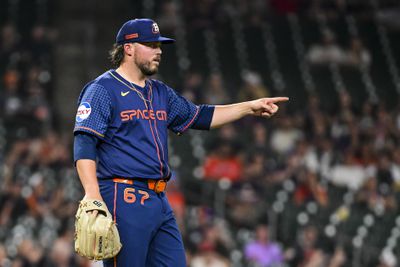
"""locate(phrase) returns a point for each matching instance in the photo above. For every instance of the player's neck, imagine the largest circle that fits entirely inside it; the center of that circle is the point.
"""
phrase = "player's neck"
(131, 74)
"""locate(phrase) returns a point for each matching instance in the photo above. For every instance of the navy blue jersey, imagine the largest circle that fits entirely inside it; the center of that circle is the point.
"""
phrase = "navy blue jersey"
(131, 123)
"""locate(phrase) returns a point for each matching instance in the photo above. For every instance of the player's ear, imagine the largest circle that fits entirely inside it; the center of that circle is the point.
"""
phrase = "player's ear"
(128, 48)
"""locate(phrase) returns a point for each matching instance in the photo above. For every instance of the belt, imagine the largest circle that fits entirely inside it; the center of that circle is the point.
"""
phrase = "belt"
(157, 186)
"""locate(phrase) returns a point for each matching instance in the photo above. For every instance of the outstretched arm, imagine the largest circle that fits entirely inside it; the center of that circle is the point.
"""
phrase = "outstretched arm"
(263, 107)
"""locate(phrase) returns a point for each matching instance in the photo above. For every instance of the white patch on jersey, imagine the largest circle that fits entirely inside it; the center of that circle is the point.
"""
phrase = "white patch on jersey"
(83, 112)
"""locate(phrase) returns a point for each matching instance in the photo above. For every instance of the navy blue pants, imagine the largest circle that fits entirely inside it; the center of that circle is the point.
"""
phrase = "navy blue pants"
(146, 224)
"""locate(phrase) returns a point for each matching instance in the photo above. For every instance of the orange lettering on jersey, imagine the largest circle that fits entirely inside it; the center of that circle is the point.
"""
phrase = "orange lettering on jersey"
(145, 114)
(129, 115)
(125, 115)
(133, 114)
(151, 114)
(139, 114)
(161, 115)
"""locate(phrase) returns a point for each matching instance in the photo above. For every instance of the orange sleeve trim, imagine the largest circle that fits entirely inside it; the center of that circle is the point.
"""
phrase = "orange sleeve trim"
(89, 129)
(190, 123)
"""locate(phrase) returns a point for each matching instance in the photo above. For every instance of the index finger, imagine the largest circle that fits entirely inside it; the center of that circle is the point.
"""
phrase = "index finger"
(278, 99)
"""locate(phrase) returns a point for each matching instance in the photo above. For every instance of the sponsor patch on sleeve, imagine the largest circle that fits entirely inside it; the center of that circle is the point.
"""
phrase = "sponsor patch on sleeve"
(83, 112)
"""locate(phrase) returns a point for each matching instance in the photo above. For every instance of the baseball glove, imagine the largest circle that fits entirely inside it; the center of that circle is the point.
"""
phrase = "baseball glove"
(96, 237)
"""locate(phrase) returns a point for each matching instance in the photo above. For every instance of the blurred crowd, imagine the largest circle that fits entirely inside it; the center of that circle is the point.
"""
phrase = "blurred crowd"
(350, 148)
(26, 81)
(234, 221)
(206, 14)
(38, 184)
(328, 51)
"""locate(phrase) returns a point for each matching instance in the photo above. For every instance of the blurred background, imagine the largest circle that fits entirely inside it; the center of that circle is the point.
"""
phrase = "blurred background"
(317, 185)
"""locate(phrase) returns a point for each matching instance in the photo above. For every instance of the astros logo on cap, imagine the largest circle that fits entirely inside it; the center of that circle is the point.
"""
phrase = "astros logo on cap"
(155, 29)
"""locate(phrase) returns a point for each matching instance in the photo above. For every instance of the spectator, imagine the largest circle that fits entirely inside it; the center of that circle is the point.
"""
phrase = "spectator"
(38, 107)
(384, 174)
(315, 121)
(343, 128)
(240, 206)
(262, 251)
(61, 254)
(192, 86)
(209, 259)
(385, 130)
(285, 136)
(12, 104)
(215, 91)
(40, 45)
(327, 52)
(9, 46)
(357, 55)
(338, 258)
(260, 137)
(350, 173)
(216, 239)
(32, 254)
(306, 252)
(367, 120)
(213, 243)
(201, 15)
(252, 87)
(228, 133)
(255, 167)
(169, 18)
(223, 163)
(368, 195)
(309, 189)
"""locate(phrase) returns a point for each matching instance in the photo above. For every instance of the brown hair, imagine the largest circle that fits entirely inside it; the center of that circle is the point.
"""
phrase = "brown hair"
(116, 55)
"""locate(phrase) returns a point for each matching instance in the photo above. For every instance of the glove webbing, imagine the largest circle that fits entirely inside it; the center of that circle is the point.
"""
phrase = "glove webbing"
(89, 205)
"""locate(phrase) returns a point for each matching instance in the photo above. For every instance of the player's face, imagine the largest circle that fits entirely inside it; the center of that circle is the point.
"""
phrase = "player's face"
(148, 57)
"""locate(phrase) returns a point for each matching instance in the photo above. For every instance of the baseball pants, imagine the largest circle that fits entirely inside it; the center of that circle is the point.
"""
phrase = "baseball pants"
(147, 227)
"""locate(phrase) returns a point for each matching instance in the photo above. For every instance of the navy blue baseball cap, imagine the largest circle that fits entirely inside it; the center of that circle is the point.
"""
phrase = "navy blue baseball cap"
(141, 30)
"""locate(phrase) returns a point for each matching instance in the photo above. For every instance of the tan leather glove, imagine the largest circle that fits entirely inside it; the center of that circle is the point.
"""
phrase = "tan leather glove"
(96, 237)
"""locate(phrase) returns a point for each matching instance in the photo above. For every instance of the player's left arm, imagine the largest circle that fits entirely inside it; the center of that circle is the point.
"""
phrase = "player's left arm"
(263, 107)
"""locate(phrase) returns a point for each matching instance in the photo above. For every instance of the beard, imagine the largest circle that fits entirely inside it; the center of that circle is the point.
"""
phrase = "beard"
(146, 67)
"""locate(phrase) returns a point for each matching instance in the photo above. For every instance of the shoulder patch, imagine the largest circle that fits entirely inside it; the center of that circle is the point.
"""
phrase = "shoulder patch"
(83, 112)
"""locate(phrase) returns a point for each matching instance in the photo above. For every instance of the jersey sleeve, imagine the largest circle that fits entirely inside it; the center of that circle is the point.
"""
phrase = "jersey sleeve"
(183, 114)
(94, 111)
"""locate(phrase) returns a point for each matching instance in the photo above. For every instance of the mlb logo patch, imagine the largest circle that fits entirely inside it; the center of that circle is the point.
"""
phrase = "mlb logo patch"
(83, 112)
(155, 29)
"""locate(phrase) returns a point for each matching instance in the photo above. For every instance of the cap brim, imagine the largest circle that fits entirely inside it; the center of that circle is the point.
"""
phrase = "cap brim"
(160, 39)
(166, 40)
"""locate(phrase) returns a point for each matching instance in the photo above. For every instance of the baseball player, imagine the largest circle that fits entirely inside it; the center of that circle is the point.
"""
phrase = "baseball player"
(120, 145)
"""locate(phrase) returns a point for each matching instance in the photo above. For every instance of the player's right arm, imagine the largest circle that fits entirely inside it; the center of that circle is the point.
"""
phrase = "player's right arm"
(87, 174)
(91, 124)
(85, 159)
